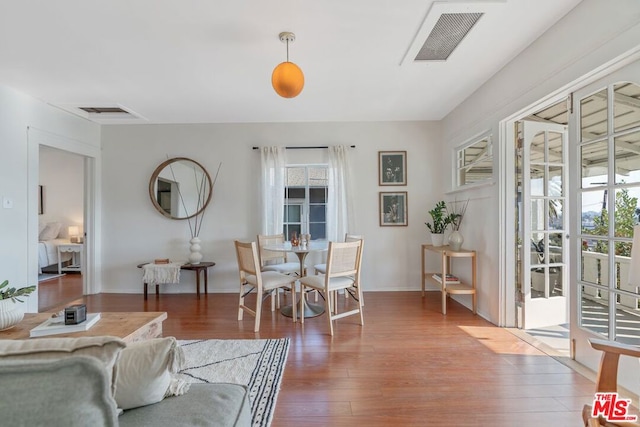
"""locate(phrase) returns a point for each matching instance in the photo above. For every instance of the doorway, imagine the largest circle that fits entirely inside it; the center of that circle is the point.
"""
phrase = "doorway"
(61, 219)
(90, 158)
(541, 224)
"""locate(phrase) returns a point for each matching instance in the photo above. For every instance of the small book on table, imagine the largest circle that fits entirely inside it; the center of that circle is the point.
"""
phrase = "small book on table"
(451, 279)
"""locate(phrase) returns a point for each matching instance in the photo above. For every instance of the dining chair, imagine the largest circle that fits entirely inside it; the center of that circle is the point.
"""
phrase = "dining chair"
(343, 272)
(275, 261)
(322, 268)
(607, 380)
(265, 283)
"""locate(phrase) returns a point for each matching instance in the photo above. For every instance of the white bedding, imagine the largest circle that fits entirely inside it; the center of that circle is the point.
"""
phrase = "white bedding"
(48, 252)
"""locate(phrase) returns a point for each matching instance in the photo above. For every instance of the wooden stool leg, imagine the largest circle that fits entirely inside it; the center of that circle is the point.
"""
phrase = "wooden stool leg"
(206, 280)
(145, 291)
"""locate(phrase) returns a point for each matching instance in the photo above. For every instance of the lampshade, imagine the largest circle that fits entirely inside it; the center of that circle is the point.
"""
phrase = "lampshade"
(287, 78)
(73, 232)
(634, 268)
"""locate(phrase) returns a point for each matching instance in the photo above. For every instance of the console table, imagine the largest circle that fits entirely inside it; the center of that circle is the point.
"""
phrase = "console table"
(129, 326)
(446, 254)
(200, 267)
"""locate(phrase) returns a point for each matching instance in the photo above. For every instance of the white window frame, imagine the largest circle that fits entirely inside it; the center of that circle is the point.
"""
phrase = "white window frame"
(458, 160)
(305, 203)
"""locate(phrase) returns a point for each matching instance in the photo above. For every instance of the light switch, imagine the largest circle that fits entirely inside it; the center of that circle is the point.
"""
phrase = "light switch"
(7, 203)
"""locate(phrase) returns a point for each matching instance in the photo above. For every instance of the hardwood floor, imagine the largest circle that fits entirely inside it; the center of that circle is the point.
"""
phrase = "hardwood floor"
(55, 294)
(409, 365)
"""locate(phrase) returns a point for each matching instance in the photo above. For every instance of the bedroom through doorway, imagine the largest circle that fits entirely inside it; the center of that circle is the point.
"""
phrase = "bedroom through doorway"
(61, 222)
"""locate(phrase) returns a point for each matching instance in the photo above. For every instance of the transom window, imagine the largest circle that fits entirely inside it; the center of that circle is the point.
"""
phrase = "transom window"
(305, 201)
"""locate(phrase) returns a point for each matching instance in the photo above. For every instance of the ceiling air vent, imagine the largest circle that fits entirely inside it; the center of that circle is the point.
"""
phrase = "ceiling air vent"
(446, 35)
(105, 110)
(105, 114)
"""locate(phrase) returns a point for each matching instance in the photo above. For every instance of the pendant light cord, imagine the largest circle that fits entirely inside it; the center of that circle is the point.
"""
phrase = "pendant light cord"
(287, 50)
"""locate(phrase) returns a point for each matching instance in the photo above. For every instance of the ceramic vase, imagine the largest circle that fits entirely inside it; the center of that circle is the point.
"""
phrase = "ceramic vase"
(11, 313)
(455, 240)
(195, 256)
(437, 239)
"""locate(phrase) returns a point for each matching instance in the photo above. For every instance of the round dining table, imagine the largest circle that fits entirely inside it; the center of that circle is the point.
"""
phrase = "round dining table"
(301, 251)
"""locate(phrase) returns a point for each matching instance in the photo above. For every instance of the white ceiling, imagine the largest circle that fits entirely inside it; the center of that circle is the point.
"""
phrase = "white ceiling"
(210, 61)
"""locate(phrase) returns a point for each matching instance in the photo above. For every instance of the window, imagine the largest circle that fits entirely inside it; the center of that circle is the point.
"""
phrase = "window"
(305, 201)
(474, 161)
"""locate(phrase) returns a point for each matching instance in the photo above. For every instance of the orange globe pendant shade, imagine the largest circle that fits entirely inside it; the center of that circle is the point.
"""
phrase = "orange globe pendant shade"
(287, 80)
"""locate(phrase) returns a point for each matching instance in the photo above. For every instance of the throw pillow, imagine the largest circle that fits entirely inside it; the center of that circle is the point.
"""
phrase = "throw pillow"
(105, 349)
(146, 372)
(50, 232)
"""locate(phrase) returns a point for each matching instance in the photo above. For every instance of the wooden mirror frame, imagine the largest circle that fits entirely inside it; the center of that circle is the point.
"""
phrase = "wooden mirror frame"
(154, 179)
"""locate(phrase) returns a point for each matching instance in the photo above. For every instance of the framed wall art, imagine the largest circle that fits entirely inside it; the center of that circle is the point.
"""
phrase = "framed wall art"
(393, 208)
(392, 167)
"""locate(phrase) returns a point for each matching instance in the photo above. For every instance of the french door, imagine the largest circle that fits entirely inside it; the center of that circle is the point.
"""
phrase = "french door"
(606, 152)
(543, 225)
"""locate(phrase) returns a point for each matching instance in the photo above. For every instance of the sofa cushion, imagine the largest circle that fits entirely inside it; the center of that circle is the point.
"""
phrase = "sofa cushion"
(219, 404)
(146, 372)
(74, 391)
(105, 349)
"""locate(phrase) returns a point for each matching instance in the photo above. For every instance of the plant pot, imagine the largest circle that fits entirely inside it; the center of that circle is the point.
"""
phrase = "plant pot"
(437, 239)
(455, 240)
(11, 313)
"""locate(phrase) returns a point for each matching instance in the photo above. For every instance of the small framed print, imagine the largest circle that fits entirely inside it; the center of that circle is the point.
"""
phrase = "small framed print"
(393, 208)
(392, 167)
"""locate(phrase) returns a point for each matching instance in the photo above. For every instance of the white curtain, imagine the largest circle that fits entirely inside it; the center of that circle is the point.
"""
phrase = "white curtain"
(273, 160)
(340, 214)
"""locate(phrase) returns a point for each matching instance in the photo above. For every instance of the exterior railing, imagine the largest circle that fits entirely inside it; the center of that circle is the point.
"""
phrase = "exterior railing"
(595, 270)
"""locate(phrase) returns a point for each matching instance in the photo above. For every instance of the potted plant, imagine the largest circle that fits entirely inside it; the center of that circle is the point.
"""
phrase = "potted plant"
(441, 220)
(11, 312)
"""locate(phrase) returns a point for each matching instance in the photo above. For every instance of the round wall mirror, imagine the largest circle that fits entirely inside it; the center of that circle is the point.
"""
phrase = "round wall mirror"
(180, 188)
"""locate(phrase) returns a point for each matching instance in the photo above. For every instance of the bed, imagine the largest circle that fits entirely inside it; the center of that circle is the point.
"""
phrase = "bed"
(49, 240)
(48, 253)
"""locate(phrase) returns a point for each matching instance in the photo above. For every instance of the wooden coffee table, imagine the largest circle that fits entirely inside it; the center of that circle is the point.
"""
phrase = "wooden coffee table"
(129, 326)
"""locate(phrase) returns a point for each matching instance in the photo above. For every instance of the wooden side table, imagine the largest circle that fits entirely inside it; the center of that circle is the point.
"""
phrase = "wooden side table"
(201, 267)
(458, 288)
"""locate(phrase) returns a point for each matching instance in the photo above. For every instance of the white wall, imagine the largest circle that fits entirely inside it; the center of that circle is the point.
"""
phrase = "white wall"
(62, 175)
(134, 232)
(593, 35)
(19, 225)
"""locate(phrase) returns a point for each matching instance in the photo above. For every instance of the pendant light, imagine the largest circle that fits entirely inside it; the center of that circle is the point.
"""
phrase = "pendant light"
(287, 78)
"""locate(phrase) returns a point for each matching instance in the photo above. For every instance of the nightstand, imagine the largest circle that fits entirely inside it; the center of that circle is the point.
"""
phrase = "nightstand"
(76, 260)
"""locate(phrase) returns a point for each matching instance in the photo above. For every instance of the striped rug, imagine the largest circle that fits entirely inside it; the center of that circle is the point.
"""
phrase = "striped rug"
(258, 364)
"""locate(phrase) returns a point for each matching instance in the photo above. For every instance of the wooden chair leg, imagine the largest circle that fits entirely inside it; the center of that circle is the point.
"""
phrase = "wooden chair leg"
(256, 326)
(327, 302)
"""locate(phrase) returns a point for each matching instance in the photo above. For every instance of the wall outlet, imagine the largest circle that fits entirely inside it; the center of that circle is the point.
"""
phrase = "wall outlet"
(7, 203)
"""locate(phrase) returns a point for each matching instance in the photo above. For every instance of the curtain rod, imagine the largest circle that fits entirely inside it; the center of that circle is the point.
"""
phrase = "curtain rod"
(304, 148)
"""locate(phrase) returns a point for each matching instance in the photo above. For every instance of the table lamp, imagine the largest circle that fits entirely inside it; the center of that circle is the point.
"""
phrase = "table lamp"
(73, 234)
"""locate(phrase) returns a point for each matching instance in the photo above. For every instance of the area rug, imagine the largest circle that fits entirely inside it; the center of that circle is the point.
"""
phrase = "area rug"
(257, 364)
